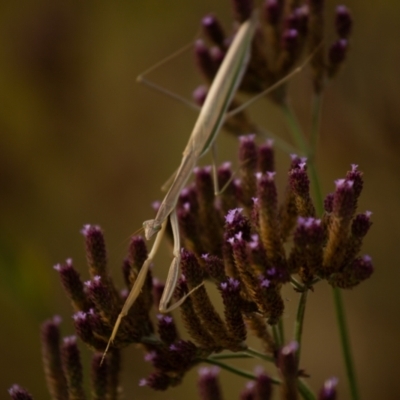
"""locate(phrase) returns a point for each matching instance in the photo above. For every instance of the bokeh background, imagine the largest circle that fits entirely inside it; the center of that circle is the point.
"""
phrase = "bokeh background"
(81, 142)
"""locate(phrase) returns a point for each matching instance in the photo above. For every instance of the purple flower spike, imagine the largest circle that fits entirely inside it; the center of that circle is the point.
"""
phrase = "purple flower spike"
(199, 95)
(343, 21)
(167, 329)
(263, 386)
(157, 381)
(204, 61)
(213, 29)
(208, 385)
(73, 285)
(96, 253)
(242, 9)
(18, 393)
(290, 40)
(273, 11)
(338, 51)
(328, 392)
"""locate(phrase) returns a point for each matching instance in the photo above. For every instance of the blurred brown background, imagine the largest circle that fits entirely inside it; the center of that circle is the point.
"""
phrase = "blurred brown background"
(81, 142)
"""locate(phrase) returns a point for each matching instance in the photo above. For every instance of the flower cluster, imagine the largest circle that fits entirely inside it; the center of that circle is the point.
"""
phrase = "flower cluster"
(249, 242)
(286, 32)
(246, 242)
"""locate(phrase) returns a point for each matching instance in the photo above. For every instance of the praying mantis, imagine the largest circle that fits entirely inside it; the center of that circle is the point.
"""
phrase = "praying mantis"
(208, 124)
(212, 116)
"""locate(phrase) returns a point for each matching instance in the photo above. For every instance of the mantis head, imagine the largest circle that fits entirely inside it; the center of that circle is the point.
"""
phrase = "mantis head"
(151, 227)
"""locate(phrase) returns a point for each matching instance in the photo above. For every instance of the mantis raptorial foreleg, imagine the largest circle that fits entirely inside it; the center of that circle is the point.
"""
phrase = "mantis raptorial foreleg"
(137, 286)
(173, 273)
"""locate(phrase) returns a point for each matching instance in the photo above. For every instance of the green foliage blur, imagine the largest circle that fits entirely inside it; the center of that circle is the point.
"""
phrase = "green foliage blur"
(81, 142)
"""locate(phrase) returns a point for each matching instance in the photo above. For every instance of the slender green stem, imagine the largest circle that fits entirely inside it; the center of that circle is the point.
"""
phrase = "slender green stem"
(227, 367)
(297, 284)
(315, 121)
(256, 354)
(230, 356)
(151, 339)
(295, 130)
(276, 335)
(237, 371)
(281, 330)
(345, 341)
(301, 143)
(298, 327)
(316, 188)
(304, 390)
